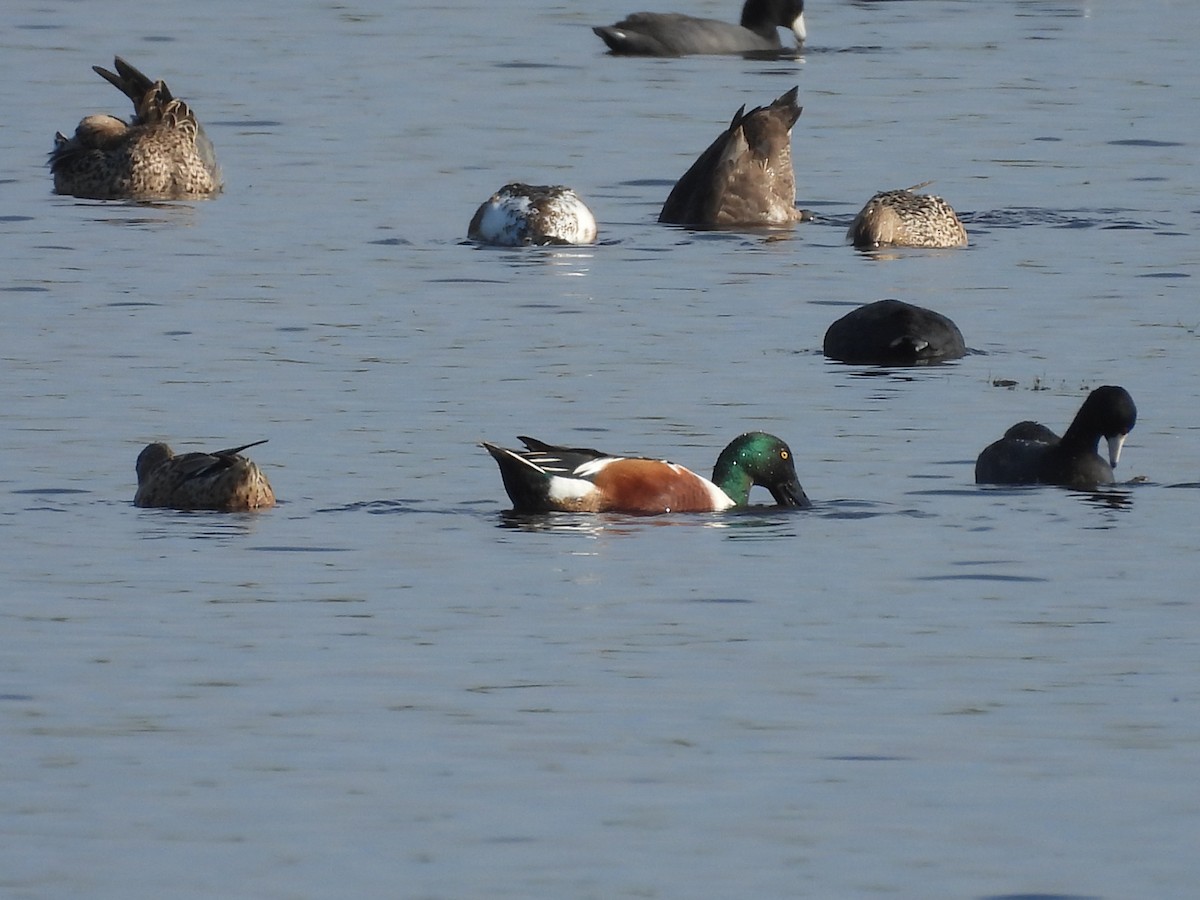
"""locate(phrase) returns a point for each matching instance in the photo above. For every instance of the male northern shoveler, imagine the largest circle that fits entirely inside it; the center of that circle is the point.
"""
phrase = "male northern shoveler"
(225, 480)
(161, 154)
(674, 34)
(522, 214)
(904, 219)
(893, 333)
(576, 479)
(1030, 453)
(745, 177)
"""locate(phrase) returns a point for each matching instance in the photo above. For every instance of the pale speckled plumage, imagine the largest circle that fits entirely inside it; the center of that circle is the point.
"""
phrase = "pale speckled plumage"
(224, 480)
(162, 153)
(745, 177)
(907, 219)
(520, 214)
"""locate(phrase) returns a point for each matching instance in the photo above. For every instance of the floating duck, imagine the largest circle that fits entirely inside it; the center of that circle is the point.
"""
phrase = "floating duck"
(544, 477)
(904, 219)
(893, 333)
(520, 214)
(745, 177)
(162, 153)
(224, 480)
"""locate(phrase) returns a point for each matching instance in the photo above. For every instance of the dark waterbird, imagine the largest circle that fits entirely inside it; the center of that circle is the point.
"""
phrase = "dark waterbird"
(893, 333)
(675, 34)
(1030, 453)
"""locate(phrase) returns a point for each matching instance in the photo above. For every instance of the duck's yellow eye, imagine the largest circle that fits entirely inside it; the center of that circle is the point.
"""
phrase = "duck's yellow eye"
(783, 454)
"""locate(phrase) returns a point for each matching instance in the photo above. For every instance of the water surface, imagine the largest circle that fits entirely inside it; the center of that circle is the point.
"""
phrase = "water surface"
(389, 687)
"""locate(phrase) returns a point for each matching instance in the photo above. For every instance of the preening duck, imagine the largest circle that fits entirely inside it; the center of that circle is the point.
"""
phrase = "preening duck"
(162, 153)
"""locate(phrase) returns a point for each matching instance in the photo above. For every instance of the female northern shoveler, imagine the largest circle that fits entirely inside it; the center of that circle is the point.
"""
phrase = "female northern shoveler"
(520, 214)
(575, 479)
(893, 333)
(674, 34)
(161, 154)
(745, 177)
(904, 219)
(224, 480)
(1030, 453)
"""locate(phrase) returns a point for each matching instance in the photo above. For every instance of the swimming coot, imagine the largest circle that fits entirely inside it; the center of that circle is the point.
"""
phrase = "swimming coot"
(674, 34)
(1030, 453)
(893, 333)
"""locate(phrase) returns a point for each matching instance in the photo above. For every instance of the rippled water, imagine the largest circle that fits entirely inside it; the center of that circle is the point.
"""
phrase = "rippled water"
(387, 686)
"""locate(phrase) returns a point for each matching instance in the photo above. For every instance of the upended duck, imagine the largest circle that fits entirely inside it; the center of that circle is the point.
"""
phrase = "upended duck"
(1030, 453)
(545, 477)
(522, 214)
(162, 153)
(224, 480)
(675, 34)
(906, 219)
(745, 177)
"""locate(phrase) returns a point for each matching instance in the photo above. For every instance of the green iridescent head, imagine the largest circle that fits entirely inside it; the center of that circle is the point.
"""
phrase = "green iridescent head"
(763, 459)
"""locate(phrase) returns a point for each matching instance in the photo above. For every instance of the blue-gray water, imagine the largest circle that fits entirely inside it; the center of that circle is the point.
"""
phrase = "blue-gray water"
(384, 687)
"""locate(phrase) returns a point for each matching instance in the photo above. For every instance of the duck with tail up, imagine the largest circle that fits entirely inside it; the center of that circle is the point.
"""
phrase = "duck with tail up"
(162, 153)
(745, 177)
